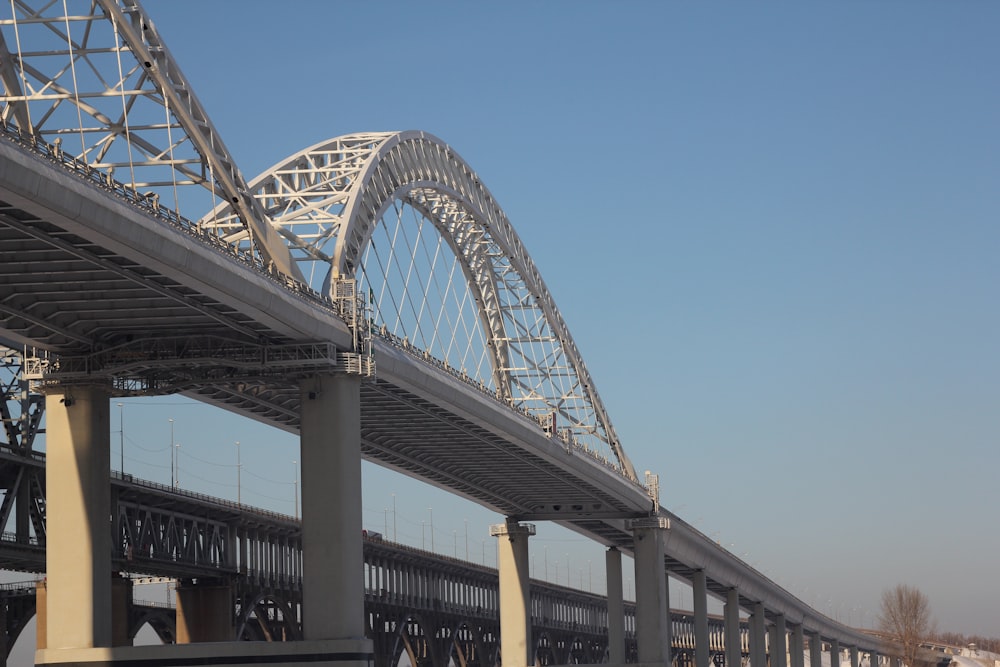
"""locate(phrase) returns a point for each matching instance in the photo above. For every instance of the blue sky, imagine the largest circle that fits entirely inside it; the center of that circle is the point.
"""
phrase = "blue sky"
(771, 227)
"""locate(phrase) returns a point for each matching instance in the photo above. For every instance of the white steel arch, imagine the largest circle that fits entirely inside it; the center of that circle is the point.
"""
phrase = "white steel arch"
(329, 200)
(96, 81)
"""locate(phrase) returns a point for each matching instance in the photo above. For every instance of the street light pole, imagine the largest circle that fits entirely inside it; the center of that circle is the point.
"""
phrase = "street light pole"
(431, 510)
(121, 431)
(295, 482)
(394, 538)
(177, 480)
(173, 468)
(239, 475)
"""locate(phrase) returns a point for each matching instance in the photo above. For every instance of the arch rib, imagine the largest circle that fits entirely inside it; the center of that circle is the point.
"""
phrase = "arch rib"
(328, 199)
(139, 32)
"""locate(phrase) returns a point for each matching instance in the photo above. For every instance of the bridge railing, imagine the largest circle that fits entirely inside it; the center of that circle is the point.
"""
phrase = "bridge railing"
(150, 204)
(238, 508)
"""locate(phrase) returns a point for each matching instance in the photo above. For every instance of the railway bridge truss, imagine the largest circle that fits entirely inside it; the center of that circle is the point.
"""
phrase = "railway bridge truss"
(433, 608)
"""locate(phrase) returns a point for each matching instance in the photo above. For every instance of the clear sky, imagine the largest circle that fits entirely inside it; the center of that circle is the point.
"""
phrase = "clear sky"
(771, 227)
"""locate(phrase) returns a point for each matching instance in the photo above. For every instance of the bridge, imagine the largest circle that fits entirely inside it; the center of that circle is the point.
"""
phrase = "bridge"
(367, 293)
(435, 610)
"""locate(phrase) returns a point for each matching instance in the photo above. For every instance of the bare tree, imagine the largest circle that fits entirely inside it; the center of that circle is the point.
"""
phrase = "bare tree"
(906, 620)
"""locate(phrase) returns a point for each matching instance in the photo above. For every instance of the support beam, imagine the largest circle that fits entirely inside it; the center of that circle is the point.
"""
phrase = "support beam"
(855, 657)
(758, 636)
(815, 650)
(779, 642)
(330, 431)
(616, 607)
(834, 653)
(205, 612)
(734, 640)
(515, 618)
(798, 648)
(78, 507)
(699, 589)
(652, 602)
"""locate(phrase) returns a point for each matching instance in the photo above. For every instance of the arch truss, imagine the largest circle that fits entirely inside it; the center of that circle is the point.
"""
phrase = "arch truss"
(403, 216)
(399, 216)
(96, 85)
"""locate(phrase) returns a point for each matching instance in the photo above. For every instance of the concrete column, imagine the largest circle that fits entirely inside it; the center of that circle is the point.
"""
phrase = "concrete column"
(616, 607)
(41, 615)
(652, 603)
(855, 658)
(758, 636)
(834, 653)
(873, 659)
(779, 642)
(815, 650)
(205, 612)
(78, 510)
(699, 590)
(731, 620)
(798, 649)
(332, 560)
(515, 616)
(121, 606)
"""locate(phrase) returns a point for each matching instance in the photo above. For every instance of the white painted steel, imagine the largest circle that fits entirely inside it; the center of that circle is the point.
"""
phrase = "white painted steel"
(330, 201)
(98, 82)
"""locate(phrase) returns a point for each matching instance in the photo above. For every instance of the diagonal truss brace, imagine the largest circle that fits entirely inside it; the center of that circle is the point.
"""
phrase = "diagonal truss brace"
(137, 30)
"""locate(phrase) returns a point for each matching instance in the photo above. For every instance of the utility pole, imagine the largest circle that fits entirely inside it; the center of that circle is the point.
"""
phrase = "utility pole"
(431, 510)
(173, 465)
(239, 475)
(121, 431)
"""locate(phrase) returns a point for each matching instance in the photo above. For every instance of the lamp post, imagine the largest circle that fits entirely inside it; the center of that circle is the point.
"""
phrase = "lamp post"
(173, 465)
(431, 510)
(121, 431)
(239, 475)
(394, 538)
(295, 490)
(177, 478)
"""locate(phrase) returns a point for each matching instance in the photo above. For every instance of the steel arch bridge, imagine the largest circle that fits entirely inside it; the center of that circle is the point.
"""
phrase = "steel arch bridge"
(138, 254)
(397, 217)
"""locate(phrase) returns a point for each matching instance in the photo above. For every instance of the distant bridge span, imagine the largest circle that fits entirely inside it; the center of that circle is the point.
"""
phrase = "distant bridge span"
(367, 293)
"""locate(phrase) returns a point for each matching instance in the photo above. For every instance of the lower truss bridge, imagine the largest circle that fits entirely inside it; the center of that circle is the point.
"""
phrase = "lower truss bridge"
(237, 574)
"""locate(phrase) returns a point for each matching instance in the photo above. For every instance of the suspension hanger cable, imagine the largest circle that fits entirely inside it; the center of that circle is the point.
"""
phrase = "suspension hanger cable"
(76, 88)
(121, 85)
(24, 79)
